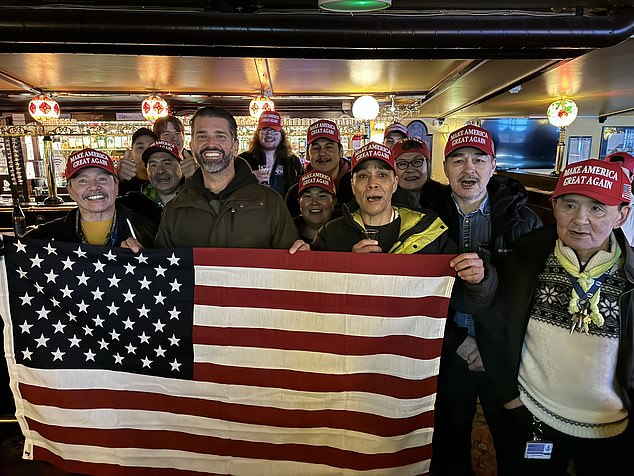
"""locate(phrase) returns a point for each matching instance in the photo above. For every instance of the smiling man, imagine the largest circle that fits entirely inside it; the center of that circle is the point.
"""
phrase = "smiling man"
(223, 204)
(162, 162)
(564, 327)
(98, 219)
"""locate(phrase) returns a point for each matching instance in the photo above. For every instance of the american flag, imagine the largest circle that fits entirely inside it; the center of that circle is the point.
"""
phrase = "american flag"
(223, 361)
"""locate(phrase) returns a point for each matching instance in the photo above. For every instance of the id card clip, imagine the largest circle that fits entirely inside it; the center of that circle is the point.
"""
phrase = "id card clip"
(538, 448)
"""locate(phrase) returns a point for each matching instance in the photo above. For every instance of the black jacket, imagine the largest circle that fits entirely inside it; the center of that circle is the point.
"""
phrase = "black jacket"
(65, 228)
(510, 219)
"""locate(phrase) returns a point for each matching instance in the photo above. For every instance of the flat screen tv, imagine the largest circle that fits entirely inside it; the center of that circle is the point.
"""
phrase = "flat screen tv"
(523, 143)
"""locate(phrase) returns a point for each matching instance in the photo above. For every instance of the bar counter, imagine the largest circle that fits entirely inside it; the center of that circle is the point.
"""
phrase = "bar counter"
(35, 213)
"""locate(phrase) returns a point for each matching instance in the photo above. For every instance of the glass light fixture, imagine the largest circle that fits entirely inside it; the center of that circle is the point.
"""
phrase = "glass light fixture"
(43, 108)
(352, 6)
(154, 107)
(561, 114)
(260, 104)
(365, 108)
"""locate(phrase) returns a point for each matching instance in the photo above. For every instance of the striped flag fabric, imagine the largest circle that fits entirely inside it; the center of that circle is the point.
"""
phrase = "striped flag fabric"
(223, 361)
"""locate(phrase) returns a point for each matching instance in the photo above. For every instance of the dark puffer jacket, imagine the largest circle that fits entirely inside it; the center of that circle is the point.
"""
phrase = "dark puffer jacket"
(510, 219)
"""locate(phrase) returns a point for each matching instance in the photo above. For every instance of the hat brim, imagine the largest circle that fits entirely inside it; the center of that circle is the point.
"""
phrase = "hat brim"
(324, 136)
(153, 149)
(593, 194)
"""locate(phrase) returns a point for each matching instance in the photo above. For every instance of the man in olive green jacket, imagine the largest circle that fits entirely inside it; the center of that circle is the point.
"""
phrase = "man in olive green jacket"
(222, 204)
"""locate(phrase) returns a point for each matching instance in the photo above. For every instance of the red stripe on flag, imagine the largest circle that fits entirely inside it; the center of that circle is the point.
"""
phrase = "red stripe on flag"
(160, 439)
(404, 345)
(431, 306)
(248, 414)
(313, 382)
(103, 469)
(354, 263)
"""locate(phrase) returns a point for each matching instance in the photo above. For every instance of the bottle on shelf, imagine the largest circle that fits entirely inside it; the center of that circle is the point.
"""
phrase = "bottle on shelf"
(17, 217)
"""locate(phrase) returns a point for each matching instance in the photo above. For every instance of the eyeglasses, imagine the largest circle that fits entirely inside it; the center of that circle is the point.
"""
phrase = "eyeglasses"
(403, 164)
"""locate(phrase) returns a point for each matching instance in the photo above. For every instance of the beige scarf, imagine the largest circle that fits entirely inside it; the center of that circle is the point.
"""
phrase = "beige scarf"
(594, 269)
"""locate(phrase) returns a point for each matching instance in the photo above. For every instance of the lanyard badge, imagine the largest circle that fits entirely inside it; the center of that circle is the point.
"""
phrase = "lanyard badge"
(538, 448)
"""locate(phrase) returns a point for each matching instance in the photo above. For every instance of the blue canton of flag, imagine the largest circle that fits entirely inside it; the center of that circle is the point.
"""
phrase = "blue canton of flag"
(91, 307)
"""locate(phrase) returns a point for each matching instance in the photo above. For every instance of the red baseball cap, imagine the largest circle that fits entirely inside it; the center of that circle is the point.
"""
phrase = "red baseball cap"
(373, 150)
(270, 120)
(323, 128)
(160, 146)
(470, 136)
(88, 158)
(627, 159)
(405, 146)
(396, 127)
(316, 179)
(603, 181)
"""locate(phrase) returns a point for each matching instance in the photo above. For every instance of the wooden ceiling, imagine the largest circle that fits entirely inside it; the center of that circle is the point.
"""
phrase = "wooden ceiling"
(600, 80)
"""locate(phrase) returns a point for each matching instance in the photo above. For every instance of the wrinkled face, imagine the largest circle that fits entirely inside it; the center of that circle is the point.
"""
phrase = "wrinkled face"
(93, 189)
(269, 138)
(324, 156)
(316, 206)
(373, 186)
(164, 172)
(139, 147)
(213, 144)
(469, 170)
(392, 138)
(412, 170)
(585, 224)
(173, 135)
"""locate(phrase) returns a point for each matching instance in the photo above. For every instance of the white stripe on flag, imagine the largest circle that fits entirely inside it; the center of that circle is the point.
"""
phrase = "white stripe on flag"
(363, 402)
(153, 420)
(284, 319)
(317, 362)
(210, 463)
(322, 282)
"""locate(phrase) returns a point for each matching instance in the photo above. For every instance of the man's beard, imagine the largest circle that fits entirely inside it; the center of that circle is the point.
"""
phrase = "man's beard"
(213, 166)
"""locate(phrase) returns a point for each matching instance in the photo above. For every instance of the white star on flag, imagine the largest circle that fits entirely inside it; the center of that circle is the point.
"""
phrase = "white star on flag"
(36, 261)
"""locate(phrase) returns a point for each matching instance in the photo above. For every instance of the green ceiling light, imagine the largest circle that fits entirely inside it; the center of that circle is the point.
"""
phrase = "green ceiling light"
(354, 6)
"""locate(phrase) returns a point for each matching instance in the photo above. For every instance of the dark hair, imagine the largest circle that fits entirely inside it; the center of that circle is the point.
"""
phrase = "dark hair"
(215, 111)
(141, 132)
(282, 151)
(162, 122)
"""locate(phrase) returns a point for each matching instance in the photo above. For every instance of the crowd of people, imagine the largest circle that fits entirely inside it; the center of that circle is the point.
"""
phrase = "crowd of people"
(540, 329)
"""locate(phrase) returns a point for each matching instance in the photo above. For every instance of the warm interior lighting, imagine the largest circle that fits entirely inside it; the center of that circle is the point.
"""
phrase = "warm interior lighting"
(365, 108)
(260, 104)
(560, 114)
(153, 107)
(43, 108)
(351, 6)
